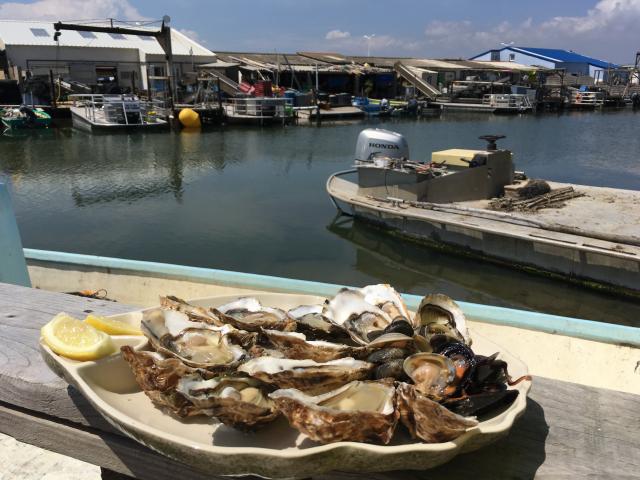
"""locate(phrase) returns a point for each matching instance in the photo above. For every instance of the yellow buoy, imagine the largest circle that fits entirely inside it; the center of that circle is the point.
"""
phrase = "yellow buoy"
(189, 118)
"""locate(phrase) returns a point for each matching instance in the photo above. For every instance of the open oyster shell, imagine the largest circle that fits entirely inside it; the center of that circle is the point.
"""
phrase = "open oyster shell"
(428, 420)
(349, 310)
(239, 402)
(386, 298)
(249, 314)
(195, 314)
(440, 315)
(306, 375)
(197, 344)
(158, 376)
(296, 346)
(356, 412)
(316, 326)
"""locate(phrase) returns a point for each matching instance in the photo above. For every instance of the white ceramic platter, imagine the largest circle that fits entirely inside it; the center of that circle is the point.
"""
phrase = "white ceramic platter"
(277, 450)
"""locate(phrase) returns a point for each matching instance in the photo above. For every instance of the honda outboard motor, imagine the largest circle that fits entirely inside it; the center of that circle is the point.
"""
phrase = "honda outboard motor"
(376, 142)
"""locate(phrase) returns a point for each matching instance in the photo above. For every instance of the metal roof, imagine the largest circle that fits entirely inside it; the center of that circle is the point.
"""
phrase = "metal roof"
(38, 33)
(555, 55)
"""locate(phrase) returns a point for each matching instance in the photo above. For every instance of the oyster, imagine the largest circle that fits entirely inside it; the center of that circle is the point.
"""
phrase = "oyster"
(315, 325)
(306, 375)
(439, 314)
(247, 313)
(196, 314)
(296, 346)
(428, 420)
(239, 402)
(356, 412)
(197, 344)
(385, 297)
(158, 376)
(349, 310)
(433, 374)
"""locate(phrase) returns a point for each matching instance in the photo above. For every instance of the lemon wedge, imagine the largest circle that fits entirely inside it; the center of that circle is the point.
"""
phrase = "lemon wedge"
(72, 338)
(112, 326)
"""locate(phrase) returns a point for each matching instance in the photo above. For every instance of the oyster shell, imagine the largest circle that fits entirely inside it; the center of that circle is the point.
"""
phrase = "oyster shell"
(158, 376)
(249, 314)
(428, 420)
(439, 314)
(306, 375)
(296, 346)
(195, 314)
(239, 402)
(197, 344)
(349, 310)
(385, 297)
(315, 325)
(356, 412)
(433, 374)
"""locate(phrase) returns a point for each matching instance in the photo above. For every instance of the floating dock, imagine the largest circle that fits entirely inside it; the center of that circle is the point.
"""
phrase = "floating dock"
(593, 239)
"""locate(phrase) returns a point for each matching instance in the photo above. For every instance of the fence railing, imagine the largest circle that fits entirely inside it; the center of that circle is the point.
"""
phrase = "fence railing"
(125, 109)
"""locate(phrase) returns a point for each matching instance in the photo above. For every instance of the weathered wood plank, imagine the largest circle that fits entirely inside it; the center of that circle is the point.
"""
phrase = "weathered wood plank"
(567, 429)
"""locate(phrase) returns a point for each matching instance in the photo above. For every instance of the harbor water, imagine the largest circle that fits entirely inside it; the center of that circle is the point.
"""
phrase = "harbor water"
(254, 200)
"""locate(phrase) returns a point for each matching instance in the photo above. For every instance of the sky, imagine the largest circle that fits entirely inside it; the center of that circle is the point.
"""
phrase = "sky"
(605, 29)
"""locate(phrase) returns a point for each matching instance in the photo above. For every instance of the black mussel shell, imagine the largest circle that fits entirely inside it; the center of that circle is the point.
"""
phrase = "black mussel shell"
(400, 326)
(489, 373)
(392, 368)
(482, 403)
(385, 354)
(437, 341)
(463, 357)
(373, 334)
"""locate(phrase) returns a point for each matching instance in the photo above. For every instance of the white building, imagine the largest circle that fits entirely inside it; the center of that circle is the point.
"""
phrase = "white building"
(93, 58)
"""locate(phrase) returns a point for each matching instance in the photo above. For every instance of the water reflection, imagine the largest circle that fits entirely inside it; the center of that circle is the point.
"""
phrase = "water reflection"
(412, 265)
(254, 200)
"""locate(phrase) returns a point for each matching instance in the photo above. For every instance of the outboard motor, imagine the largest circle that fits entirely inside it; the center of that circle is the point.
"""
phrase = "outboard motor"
(377, 142)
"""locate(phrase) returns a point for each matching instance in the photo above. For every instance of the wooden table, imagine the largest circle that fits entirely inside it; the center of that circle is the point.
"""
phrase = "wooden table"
(568, 430)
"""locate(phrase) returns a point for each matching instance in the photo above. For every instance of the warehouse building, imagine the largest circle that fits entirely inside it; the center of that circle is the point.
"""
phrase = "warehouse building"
(554, 58)
(102, 61)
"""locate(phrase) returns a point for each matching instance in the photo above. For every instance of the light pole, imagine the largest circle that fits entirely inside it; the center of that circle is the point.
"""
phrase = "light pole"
(369, 38)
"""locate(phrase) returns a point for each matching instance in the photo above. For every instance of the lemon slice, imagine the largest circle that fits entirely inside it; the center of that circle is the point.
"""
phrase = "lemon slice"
(112, 326)
(75, 339)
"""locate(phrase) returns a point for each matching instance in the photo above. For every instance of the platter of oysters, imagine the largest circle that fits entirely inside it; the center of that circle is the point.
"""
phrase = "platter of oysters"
(287, 385)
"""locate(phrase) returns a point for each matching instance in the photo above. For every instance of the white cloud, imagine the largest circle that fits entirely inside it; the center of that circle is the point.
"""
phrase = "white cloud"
(74, 9)
(337, 35)
(608, 30)
(193, 35)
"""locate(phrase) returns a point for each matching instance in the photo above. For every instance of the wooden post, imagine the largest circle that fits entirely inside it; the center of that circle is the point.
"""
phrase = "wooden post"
(13, 266)
(54, 102)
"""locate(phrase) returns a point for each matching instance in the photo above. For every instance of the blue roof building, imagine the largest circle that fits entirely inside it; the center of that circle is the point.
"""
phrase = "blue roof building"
(572, 62)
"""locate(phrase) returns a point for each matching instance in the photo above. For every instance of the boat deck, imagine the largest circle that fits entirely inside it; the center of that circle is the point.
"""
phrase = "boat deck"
(596, 237)
(333, 113)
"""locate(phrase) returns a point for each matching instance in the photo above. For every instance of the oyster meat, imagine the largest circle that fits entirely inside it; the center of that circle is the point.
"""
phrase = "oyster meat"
(249, 314)
(433, 374)
(197, 344)
(239, 402)
(306, 375)
(356, 412)
(349, 310)
(428, 420)
(440, 315)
